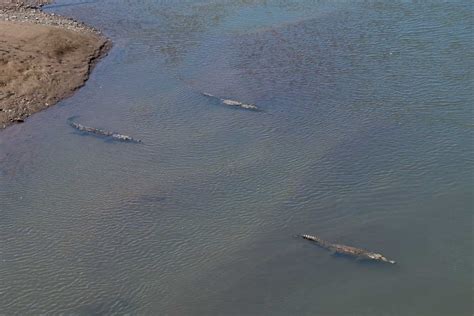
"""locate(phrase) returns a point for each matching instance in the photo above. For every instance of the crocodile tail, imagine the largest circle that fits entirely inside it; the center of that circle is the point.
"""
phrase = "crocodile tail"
(313, 238)
(72, 118)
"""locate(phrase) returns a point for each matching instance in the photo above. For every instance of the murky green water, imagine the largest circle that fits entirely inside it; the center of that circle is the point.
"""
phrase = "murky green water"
(365, 138)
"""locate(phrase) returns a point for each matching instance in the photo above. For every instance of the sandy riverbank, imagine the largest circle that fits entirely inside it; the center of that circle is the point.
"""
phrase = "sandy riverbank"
(43, 58)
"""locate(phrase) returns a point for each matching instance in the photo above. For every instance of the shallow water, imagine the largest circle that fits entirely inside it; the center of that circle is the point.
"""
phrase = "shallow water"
(365, 138)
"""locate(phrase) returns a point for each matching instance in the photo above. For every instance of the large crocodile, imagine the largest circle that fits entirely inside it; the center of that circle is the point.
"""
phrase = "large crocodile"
(348, 250)
(232, 102)
(101, 132)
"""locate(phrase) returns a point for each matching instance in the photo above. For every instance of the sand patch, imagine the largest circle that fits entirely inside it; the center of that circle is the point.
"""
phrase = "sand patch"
(41, 64)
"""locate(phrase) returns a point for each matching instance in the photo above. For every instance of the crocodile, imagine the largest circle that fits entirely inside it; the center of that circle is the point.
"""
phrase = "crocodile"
(246, 106)
(358, 253)
(101, 132)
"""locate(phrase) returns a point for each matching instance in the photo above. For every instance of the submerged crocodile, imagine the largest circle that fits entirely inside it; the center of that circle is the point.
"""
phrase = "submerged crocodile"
(232, 102)
(101, 132)
(357, 253)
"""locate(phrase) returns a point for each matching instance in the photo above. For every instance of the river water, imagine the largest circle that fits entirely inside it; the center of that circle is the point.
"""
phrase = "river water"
(365, 138)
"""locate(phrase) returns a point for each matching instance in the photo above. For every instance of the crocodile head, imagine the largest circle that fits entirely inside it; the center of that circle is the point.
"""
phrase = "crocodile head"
(379, 257)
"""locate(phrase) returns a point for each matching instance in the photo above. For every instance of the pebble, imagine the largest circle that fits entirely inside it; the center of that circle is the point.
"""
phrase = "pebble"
(34, 15)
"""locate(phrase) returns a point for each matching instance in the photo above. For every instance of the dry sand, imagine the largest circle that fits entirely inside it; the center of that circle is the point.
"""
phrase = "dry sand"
(43, 58)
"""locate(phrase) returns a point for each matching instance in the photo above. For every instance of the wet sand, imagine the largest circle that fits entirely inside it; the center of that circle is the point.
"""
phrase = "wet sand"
(43, 58)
